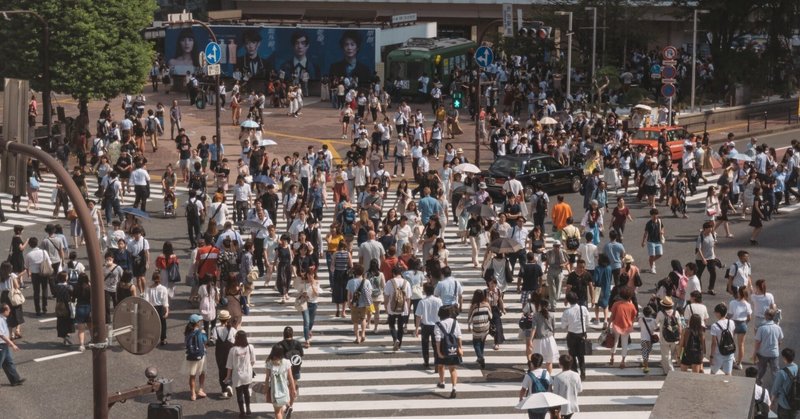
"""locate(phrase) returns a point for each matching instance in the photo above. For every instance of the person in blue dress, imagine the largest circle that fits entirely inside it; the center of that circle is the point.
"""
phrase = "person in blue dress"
(602, 284)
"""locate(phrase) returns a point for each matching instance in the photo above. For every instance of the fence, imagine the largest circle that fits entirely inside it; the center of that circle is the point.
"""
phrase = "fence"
(788, 115)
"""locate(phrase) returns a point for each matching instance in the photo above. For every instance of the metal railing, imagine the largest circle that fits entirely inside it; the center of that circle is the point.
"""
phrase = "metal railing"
(703, 123)
(789, 114)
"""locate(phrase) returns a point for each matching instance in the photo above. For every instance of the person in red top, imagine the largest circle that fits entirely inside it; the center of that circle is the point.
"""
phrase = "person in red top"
(390, 262)
(619, 217)
(207, 255)
(623, 315)
(164, 261)
(561, 211)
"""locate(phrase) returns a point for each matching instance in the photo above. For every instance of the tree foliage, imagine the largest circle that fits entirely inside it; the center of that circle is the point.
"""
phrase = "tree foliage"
(96, 47)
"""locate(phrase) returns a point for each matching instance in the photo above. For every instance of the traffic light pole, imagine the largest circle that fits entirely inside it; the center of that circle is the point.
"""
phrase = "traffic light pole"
(99, 331)
(478, 95)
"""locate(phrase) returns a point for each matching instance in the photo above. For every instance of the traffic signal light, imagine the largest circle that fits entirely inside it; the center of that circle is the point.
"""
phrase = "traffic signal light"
(535, 30)
(457, 99)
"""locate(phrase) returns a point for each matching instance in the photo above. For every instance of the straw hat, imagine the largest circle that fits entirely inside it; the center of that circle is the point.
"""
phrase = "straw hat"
(224, 315)
(667, 302)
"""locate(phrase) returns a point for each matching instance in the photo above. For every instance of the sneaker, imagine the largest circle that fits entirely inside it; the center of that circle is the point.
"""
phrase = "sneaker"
(737, 365)
(82, 349)
(653, 269)
(229, 391)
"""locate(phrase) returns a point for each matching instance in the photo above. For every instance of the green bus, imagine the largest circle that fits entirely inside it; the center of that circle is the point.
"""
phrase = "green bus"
(434, 56)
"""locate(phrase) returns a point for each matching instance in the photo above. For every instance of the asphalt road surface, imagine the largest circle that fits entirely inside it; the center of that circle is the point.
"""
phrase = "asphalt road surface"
(341, 379)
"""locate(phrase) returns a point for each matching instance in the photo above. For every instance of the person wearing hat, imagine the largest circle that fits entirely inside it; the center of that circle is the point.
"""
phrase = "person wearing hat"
(195, 364)
(557, 261)
(630, 271)
(226, 334)
(668, 318)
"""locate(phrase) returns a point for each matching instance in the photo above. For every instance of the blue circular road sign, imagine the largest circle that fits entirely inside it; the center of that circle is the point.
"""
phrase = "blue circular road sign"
(213, 53)
(668, 90)
(484, 56)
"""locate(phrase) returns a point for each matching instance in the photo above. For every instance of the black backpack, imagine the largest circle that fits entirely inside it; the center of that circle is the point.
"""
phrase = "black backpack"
(793, 395)
(726, 344)
(191, 210)
(541, 204)
(670, 331)
(762, 406)
(449, 342)
(109, 192)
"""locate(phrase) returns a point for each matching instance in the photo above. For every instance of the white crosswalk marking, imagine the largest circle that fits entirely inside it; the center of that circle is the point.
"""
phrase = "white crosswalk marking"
(342, 379)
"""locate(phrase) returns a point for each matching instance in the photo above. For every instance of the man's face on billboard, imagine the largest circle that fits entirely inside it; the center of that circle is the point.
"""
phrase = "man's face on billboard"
(252, 48)
(301, 47)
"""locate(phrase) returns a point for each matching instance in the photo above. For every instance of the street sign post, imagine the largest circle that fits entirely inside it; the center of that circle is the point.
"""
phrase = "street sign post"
(213, 53)
(484, 57)
(213, 70)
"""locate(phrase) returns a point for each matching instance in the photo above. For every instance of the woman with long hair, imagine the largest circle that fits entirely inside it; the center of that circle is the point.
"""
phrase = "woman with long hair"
(623, 316)
(63, 294)
(479, 322)
(593, 220)
(342, 263)
(725, 206)
(693, 345)
(168, 262)
(544, 340)
(741, 312)
(283, 260)
(241, 359)
(403, 195)
(83, 307)
(440, 252)
(15, 256)
(378, 282)
(712, 203)
(158, 296)
(186, 52)
(209, 299)
(757, 216)
(762, 301)
(603, 280)
(280, 386)
(474, 231)
(308, 291)
(9, 281)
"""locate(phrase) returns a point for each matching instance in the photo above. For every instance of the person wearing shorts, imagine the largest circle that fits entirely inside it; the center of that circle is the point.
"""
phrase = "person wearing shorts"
(652, 237)
(359, 306)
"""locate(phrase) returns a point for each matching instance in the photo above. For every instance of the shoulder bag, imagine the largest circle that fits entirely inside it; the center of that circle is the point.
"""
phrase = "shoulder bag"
(15, 295)
(587, 344)
(45, 268)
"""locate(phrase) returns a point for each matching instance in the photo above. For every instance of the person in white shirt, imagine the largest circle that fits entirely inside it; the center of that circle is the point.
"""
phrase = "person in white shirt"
(158, 296)
(693, 284)
(575, 320)
(696, 306)
(242, 195)
(739, 273)
(139, 248)
(33, 262)
(567, 384)
(218, 211)
(719, 361)
(447, 324)
(398, 312)
(241, 361)
(426, 315)
(141, 185)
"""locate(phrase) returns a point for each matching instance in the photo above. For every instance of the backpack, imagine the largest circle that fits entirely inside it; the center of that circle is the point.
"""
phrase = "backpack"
(173, 273)
(670, 330)
(191, 210)
(793, 395)
(541, 204)
(399, 297)
(96, 146)
(195, 181)
(151, 126)
(449, 342)
(726, 344)
(349, 216)
(72, 275)
(541, 384)
(573, 243)
(762, 407)
(357, 293)
(376, 286)
(109, 193)
(194, 349)
(278, 385)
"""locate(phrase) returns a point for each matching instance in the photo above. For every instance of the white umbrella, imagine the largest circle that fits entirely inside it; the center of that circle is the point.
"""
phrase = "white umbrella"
(249, 124)
(742, 157)
(643, 108)
(542, 400)
(466, 168)
(548, 121)
(265, 142)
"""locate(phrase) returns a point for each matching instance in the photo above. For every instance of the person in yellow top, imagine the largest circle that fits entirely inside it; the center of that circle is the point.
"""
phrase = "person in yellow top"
(561, 211)
(332, 239)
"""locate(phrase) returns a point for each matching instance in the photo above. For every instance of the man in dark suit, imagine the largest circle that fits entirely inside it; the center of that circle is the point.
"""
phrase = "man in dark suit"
(300, 61)
(251, 65)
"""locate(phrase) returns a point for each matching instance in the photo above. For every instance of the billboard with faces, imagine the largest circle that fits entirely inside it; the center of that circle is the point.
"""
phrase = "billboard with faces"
(255, 52)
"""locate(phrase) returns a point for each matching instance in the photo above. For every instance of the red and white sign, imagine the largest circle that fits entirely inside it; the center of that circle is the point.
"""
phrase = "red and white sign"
(668, 72)
(669, 53)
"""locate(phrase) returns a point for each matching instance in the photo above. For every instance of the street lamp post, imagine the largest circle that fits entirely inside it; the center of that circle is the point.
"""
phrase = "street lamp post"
(594, 45)
(694, 52)
(47, 106)
(216, 87)
(569, 52)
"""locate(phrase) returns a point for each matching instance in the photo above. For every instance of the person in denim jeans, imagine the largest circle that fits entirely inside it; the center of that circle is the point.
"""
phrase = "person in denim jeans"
(309, 290)
(33, 261)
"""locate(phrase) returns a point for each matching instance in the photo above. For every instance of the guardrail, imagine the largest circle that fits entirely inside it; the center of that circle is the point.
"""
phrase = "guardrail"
(703, 123)
(789, 114)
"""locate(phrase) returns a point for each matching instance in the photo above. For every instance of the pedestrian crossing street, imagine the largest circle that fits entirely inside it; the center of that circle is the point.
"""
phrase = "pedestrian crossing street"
(342, 379)
(46, 205)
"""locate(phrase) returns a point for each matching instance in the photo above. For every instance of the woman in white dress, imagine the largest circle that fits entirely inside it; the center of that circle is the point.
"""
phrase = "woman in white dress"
(544, 340)
(241, 360)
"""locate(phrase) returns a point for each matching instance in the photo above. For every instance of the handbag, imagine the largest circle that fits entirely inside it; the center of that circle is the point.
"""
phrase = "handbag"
(45, 269)
(526, 321)
(72, 306)
(711, 211)
(606, 338)
(16, 297)
(301, 303)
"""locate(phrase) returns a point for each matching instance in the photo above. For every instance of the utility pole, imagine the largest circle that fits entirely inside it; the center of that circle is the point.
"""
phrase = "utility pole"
(594, 47)
(569, 51)
(694, 54)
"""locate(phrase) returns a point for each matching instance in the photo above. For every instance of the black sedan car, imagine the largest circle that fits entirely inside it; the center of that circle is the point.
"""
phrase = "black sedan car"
(531, 169)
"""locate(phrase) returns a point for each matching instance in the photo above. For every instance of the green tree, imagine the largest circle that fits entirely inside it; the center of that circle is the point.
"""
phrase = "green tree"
(96, 47)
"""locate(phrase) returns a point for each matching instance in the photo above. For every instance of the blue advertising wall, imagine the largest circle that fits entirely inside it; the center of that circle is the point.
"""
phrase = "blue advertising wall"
(325, 55)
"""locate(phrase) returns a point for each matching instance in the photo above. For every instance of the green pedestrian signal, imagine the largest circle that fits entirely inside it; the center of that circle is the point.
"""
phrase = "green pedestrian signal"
(457, 97)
